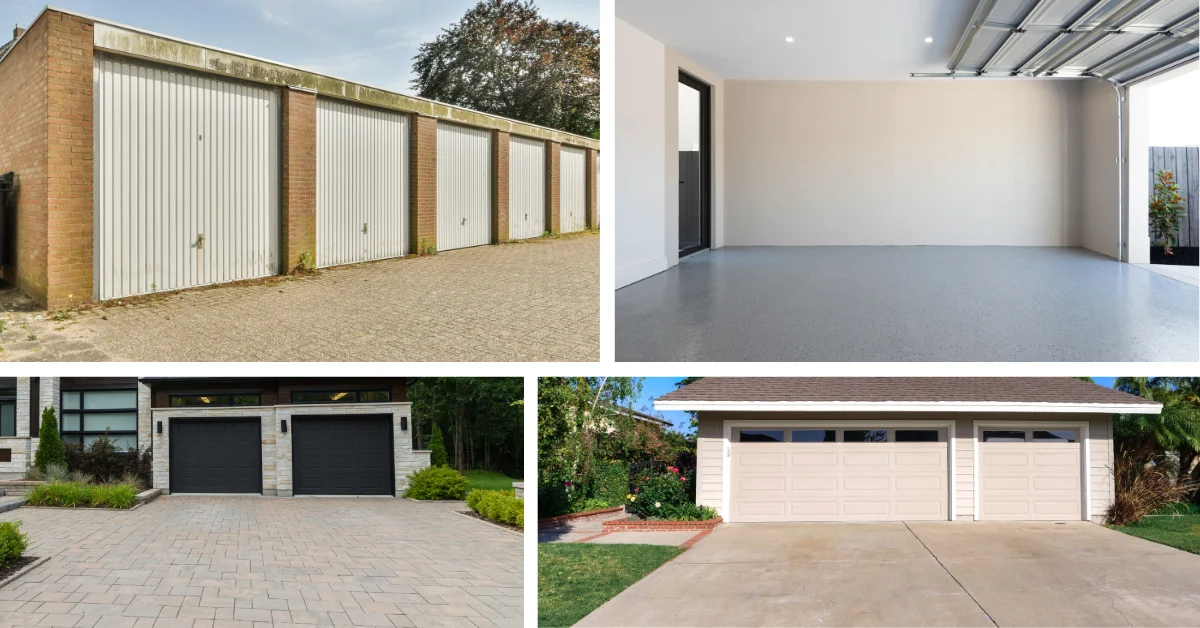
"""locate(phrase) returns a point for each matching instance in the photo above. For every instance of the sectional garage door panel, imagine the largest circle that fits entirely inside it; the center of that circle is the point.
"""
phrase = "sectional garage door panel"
(216, 455)
(186, 179)
(526, 188)
(1030, 481)
(342, 455)
(838, 481)
(464, 186)
(362, 183)
(573, 191)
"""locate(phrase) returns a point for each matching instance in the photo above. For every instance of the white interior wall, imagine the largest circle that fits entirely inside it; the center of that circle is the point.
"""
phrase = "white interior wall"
(903, 163)
(1099, 209)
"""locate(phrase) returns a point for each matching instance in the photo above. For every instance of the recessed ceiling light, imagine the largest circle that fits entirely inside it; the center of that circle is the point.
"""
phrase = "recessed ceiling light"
(788, 39)
(929, 40)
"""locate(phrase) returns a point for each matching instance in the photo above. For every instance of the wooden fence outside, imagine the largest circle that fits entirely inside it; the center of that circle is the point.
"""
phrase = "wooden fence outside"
(1183, 161)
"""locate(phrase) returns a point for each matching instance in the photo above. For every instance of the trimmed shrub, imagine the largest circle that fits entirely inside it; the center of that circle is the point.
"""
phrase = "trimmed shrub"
(437, 448)
(103, 461)
(666, 494)
(78, 495)
(502, 506)
(13, 542)
(50, 446)
(591, 503)
(436, 483)
(611, 482)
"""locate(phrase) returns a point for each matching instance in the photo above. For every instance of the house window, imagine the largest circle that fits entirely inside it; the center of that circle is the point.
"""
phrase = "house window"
(760, 436)
(865, 436)
(208, 401)
(814, 436)
(1004, 436)
(1054, 436)
(916, 436)
(89, 414)
(8, 412)
(343, 396)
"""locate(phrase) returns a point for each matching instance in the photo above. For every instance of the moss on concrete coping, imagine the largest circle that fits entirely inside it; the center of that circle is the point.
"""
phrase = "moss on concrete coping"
(134, 43)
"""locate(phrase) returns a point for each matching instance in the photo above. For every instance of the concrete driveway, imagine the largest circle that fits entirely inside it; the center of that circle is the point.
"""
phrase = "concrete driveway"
(247, 562)
(537, 300)
(931, 574)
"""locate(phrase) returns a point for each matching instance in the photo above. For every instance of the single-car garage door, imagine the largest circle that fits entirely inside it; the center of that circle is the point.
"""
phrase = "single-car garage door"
(464, 186)
(1028, 474)
(216, 455)
(838, 474)
(573, 208)
(526, 187)
(342, 455)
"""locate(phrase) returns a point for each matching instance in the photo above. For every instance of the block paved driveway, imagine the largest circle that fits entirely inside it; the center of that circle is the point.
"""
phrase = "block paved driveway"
(919, 574)
(210, 562)
(537, 300)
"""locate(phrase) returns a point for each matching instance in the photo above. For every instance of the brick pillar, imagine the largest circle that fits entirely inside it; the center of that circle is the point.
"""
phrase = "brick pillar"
(298, 115)
(593, 207)
(68, 160)
(553, 186)
(422, 202)
(499, 187)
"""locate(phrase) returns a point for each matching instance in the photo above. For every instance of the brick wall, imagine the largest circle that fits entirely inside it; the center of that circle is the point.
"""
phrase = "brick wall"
(553, 186)
(23, 133)
(298, 117)
(423, 180)
(593, 207)
(500, 144)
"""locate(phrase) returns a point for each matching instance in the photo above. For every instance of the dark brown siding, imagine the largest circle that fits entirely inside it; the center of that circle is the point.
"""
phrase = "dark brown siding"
(276, 391)
(97, 383)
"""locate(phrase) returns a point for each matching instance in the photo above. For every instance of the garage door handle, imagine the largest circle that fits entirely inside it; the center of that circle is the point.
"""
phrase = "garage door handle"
(464, 222)
(200, 241)
(364, 227)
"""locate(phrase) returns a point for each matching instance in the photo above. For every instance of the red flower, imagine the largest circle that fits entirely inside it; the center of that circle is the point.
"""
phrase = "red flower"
(682, 479)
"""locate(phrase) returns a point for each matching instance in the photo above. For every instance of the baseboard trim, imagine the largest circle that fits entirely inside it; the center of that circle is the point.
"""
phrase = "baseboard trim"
(634, 274)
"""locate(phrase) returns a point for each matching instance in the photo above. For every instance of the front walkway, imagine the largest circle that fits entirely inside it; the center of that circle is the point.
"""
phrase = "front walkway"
(537, 300)
(203, 562)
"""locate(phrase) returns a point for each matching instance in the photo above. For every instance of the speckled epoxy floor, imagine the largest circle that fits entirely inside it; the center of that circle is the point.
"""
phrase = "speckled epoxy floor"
(890, 304)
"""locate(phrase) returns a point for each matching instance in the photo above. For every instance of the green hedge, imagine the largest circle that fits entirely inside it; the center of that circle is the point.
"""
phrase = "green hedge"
(78, 494)
(502, 506)
(436, 483)
(12, 542)
(611, 482)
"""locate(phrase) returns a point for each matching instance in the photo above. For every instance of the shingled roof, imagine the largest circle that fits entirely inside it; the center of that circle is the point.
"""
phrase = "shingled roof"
(1040, 390)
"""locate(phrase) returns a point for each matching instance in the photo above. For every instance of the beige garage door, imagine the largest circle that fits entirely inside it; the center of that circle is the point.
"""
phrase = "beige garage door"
(838, 474)
(1028, 475)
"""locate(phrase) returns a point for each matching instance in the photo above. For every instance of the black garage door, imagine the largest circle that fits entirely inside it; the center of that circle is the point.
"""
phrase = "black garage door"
(216, 455)
(342, 455)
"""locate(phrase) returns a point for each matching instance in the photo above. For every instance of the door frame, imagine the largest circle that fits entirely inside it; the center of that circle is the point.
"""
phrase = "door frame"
(391, 441)
(706, 185)
(171, 438)
(1085, 479)
(727, 446)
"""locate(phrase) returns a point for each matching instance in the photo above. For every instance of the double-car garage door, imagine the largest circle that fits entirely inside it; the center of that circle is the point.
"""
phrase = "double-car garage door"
(331, 455)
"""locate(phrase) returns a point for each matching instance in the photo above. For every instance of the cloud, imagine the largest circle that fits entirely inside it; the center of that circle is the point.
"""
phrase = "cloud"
(271, 18)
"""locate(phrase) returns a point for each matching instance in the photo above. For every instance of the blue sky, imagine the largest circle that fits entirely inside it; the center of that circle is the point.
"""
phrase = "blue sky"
(367, 41)
(654, 387)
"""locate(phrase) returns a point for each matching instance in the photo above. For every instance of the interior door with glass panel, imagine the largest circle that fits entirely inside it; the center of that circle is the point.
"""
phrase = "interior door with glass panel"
(695, 166)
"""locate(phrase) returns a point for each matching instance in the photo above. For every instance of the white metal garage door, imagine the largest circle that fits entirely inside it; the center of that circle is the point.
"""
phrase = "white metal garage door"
(814, 474)
(362, 183)
(573, 191)
(526, 187)
(464, 186)
(186, 179)
(1027, 474)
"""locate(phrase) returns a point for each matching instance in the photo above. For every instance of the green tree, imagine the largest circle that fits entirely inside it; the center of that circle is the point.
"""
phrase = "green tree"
(694, 421)
(504, 58)
(50, 446)
(1176, 428)
(479, 417)
(437, 448)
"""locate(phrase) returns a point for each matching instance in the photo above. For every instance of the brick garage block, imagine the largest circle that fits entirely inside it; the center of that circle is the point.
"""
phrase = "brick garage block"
(553, 186)
(299, 156)
(593, 207)
(499, 187)
(423, 181)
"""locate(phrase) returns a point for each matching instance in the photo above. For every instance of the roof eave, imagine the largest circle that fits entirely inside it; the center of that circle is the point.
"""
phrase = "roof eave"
(908, 406)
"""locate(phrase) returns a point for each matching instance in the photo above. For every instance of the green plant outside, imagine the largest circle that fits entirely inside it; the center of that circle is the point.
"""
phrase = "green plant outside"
(80, 495)
(50, 446)
(502, 506)
(1178, 531)
(13, 542)
(574, 579)
(436, 483)
(488, 481)
(437, 448)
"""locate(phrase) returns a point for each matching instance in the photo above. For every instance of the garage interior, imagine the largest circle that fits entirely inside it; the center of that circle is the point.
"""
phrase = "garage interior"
(937, 180)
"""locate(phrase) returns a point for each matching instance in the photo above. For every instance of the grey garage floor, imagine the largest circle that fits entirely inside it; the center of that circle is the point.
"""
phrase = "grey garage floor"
(895, 304)
(927, 574)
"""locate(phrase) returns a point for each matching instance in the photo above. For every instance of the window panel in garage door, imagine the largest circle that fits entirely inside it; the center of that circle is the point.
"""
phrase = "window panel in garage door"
(464, 186)
(186, 179)
(362, 183)
(215, 455)
(526, 187)
(573, 189)
(1027, 479)
(809, 480)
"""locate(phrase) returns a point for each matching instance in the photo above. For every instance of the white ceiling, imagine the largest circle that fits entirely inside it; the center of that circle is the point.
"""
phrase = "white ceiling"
(835, 39)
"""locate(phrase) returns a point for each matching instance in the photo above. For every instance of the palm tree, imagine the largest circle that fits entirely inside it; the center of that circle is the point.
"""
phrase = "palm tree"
(1177, 428)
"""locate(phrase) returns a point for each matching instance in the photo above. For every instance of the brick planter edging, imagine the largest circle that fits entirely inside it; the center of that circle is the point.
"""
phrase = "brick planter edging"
(627, 525)
(578, 515)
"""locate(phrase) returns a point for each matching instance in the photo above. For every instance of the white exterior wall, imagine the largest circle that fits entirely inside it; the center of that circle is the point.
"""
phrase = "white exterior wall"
(464, 186)
(904, 163)
(526, 187)
(362, 183)
(573, 190)
(179, 157)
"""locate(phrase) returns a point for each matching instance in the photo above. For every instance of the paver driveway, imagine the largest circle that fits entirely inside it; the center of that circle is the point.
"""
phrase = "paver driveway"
(259, 561)
(537, 300)
(928, 574)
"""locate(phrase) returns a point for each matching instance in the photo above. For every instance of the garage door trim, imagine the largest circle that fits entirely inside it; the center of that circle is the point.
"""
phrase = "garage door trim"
(727, 446)
(1085, 479)
(177, 420)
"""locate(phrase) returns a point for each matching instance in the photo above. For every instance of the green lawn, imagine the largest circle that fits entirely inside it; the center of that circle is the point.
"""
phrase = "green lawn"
(576, 578)
(1182, 531)
(488, 481)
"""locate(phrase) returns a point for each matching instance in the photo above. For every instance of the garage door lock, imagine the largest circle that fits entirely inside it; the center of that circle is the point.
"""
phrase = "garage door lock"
(200, 241)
